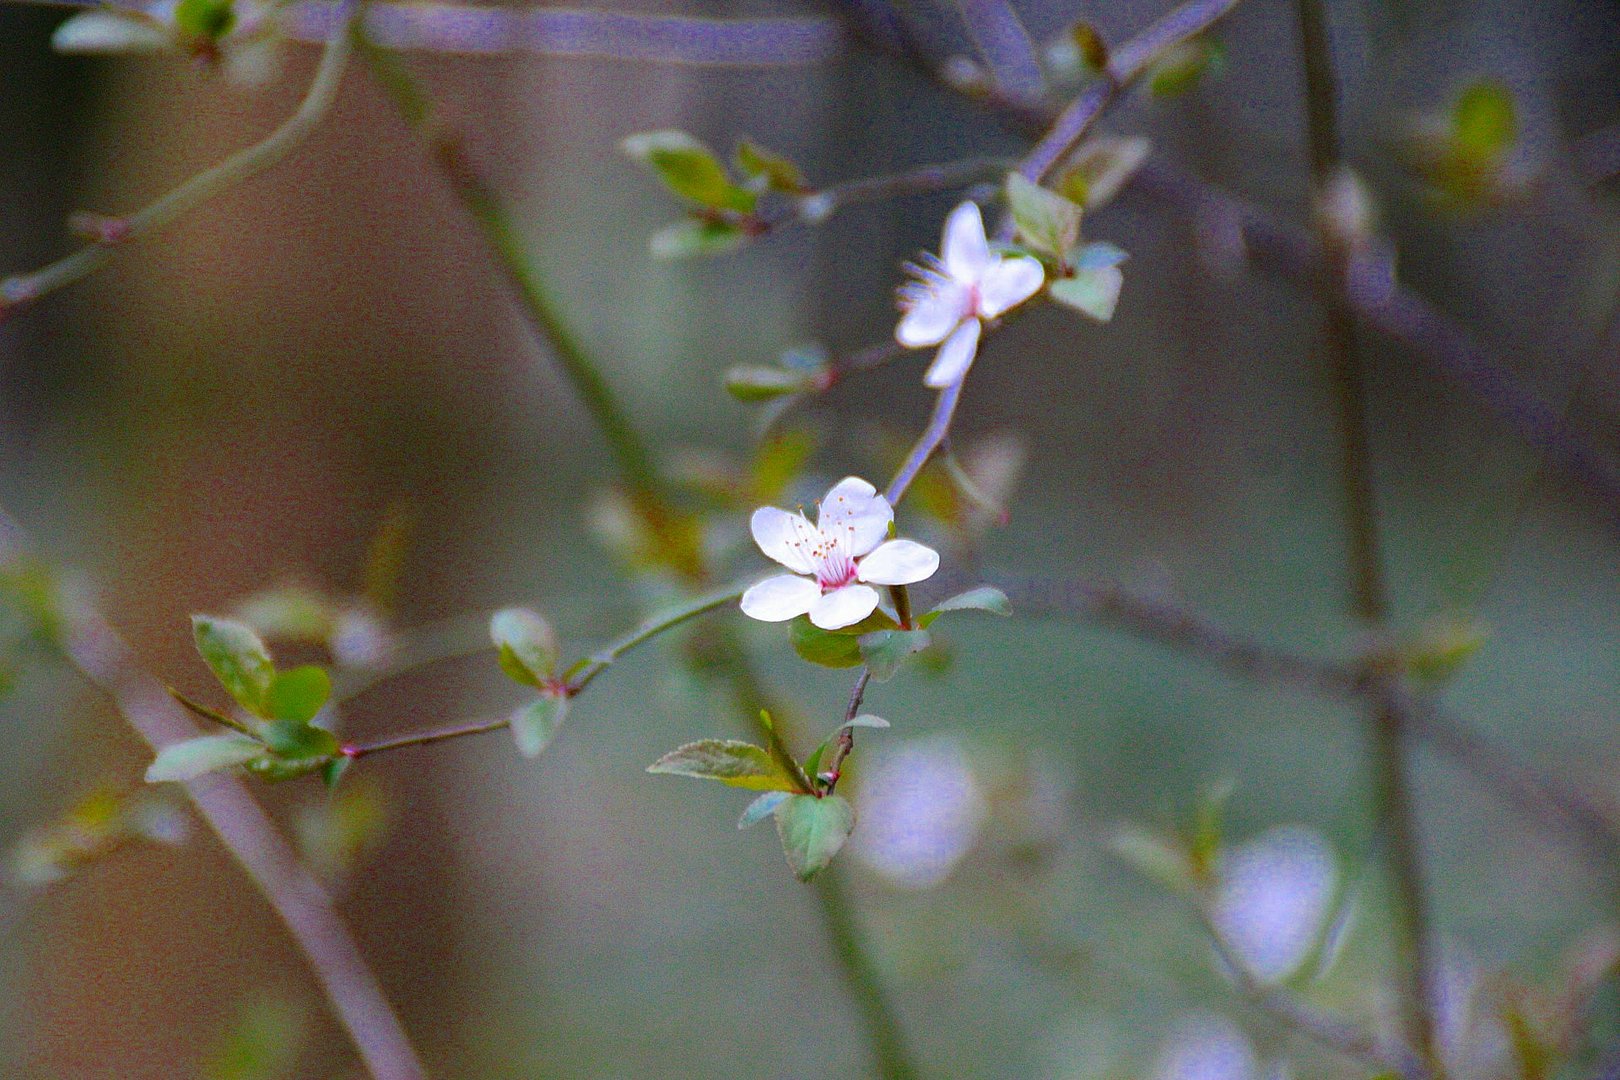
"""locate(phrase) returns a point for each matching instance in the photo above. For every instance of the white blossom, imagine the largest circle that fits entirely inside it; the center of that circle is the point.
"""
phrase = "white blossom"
(957, 292)
(836, 561)
(247, 45)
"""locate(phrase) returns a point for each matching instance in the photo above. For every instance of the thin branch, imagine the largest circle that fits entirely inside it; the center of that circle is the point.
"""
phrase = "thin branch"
(1005, 46)
(304, 906)
(1288, 1009)
(878, 1016)
(18, 291)
(638, 471)
(581, 674)
(933, 436)
(1370, 288)
(573, 682)
(1393, 803)
(1126, 64)
(561, 32)
(501, 237)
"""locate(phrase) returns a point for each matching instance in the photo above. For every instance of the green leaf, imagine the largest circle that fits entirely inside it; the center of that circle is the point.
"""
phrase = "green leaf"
(1154, 855)
(1048, 223)
(1485, 122)
(333, 770)
(738, 764)
(207, 19)
(295, 740)
(298, 694)
(197, 757)
(775, 171)
(884, 650)
(535, 724)
(238, 659)
(263, 1044)
(984, 598)
(108, 32)
(1090, 292)
(761, 808)
(763, 383)
(1102, 165)
(866, 720)
(293, 613)
(689, 169)
(812, 831)
(693, 237)
(527, 645)
(1089, 43)
(824, 647)
(1181, 67)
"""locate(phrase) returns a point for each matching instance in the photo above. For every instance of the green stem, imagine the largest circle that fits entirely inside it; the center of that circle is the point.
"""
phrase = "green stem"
(23, 289)
(1387, 718)
(575, 680)
(580, 675)
(883, 1030)
(495, 223)
(636, 467)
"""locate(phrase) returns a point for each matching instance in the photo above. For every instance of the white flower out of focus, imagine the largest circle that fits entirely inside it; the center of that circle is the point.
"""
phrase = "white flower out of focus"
(955, 293)
(243, 37)
(1275, 900)
(1208, 1046)
(836, 561)
(921, 810)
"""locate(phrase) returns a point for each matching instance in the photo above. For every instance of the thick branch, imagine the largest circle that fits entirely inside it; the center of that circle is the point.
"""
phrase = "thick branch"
(304, 906)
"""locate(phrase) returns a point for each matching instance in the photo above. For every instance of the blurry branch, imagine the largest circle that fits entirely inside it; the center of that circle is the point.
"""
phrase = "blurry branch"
(1597, 154)
(817, 206)
(1126, 64)
(113, 233)
(94, 648)
(721, 650)
(1296, 1014)
(1389, 707)
(1005, 46)
(565, 32)
(1177, 626)
(1370, 289)
(575, 680)
(662, 39)
(1371, 293)
(506, 246)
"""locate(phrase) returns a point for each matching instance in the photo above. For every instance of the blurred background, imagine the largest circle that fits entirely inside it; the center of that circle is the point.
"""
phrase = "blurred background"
(241, 402)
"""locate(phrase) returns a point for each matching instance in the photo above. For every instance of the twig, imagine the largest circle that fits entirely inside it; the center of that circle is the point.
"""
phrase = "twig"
(638, 470)
(1370, 289)
(1288, 1009)
(304, 906)
(19, 291)
(1393, 803)
(573, 682)
(1125, 65)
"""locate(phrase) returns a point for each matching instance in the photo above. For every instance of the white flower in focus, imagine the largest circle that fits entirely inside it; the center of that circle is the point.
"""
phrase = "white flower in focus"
(840, 558)
(921, 810)
(957, 291)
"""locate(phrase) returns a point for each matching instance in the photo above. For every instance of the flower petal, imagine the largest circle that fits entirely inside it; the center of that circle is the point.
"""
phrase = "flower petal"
(1009, 283)
(844, 607)
(781, 598)
(932, 312)
(108, 32)
(787, 538)
(964, 249)
(856, 515)
(899, 562)
(954, 356)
